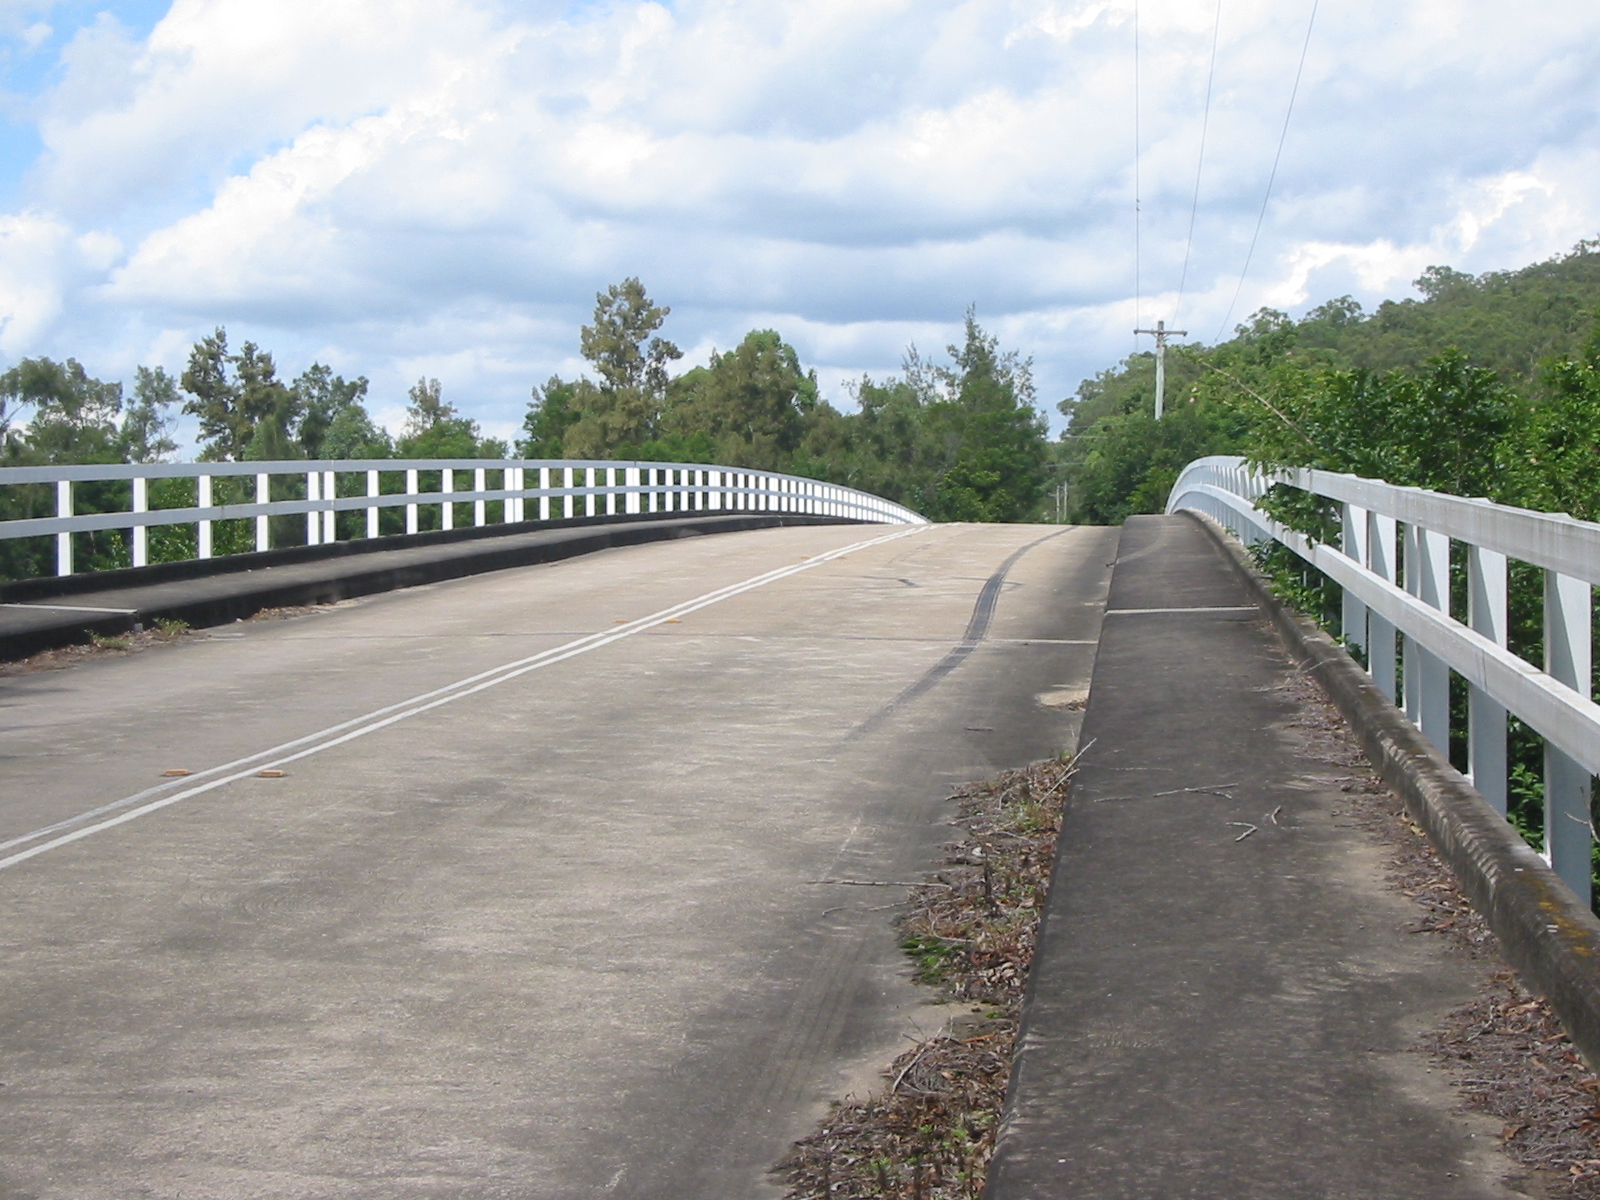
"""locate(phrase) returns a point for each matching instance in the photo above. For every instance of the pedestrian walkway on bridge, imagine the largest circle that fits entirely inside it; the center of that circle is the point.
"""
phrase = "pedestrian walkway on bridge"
(1226, 996)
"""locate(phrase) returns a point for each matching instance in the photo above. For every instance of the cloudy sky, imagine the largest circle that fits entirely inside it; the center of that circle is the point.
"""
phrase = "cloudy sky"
(400, 187)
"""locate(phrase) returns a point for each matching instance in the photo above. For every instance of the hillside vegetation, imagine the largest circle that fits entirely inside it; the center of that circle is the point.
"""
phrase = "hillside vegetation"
(1486, 385)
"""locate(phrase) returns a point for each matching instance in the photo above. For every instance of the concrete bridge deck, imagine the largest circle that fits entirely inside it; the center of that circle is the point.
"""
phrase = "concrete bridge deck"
(557, 937)
(531, 910)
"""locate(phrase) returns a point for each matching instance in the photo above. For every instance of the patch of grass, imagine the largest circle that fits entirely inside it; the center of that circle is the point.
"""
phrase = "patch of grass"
(928, 955)
(101, 642)
(170, 626)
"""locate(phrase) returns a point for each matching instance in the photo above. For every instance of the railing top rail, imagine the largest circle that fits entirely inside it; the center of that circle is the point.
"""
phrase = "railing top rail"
(94, 472)
(1555, 541)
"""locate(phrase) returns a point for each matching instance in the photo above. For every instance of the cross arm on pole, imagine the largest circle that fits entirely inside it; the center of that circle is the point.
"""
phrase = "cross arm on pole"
(1161, 333)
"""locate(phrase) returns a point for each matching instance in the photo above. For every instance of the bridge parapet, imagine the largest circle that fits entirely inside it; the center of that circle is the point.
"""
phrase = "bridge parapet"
(1393, 565)
(557, 490)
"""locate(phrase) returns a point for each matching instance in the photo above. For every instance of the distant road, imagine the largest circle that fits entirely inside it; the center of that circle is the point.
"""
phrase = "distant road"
(530, 912)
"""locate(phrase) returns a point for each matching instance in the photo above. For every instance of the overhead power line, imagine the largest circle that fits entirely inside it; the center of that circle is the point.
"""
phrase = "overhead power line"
(1272, 177)
(1136, 265)
(1200, 161)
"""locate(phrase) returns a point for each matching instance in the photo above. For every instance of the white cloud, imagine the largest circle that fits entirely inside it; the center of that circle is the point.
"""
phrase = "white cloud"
(441, 186)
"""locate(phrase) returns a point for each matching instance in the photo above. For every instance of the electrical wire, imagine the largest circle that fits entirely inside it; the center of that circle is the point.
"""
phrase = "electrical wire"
(1282, 137)
(1200, 162)
(1137, 319)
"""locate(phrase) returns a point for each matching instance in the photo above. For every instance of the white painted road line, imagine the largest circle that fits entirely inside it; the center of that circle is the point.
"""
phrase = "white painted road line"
(121, 612)
(382, 718)
(1144, 612)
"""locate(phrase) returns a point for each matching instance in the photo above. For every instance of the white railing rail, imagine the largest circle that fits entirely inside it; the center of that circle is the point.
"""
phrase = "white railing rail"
(1393, 565)
(557, 490)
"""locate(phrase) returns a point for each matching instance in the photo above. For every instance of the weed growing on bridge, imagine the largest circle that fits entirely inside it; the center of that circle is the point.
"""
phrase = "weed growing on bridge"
(970, 931)
(100, 646)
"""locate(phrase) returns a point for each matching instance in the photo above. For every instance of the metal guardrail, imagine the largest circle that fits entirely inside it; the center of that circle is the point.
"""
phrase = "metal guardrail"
(561, 487)
(1393, 565)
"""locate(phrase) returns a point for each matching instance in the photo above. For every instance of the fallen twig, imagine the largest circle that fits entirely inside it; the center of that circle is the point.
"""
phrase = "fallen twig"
(1249, 829)
(880, 883)
(1212, 790)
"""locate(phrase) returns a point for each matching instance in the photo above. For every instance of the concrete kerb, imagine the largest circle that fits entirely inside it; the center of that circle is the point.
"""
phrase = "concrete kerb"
(50, 587)
(238, 586)
(1548, 935)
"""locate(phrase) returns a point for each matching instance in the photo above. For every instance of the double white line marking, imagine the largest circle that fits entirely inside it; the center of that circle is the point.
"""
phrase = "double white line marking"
(131, 808)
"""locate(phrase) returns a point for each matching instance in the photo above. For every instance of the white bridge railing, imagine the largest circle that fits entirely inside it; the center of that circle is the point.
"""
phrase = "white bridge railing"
(523, 489)
(1394, 567)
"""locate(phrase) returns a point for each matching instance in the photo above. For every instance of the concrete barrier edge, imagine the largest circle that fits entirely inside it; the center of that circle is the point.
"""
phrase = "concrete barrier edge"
(1546, 933)
(368, 574)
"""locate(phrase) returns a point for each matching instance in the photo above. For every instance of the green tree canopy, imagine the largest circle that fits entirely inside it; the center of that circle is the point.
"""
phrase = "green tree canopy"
(992, 438)
(72, 416)
(624, 408)
(751, 403)
(322, 399)
(553, 411)
(148, 424)
(233, 394)
(434, 429)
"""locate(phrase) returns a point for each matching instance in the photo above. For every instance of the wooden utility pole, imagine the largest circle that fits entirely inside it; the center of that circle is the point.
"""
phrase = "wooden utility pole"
(1161, 333)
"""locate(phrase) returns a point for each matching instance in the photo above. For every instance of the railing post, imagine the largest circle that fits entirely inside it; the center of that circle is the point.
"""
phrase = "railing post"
(263, 522)
(544, 500)
(202, 539)
(630, 477)
(1568, 659)
(1381, 545)
(566, 501)
(1427, 679)
(330, 491)
(480, 484)
(313, 517)
(372, 510)
(63, 540)
(611, 497)
(139, 539)
(1486, 719)
(588, 499)
(1353, 617)
(447, 506)
(514, 482)
(650, 486)
(411, 509)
